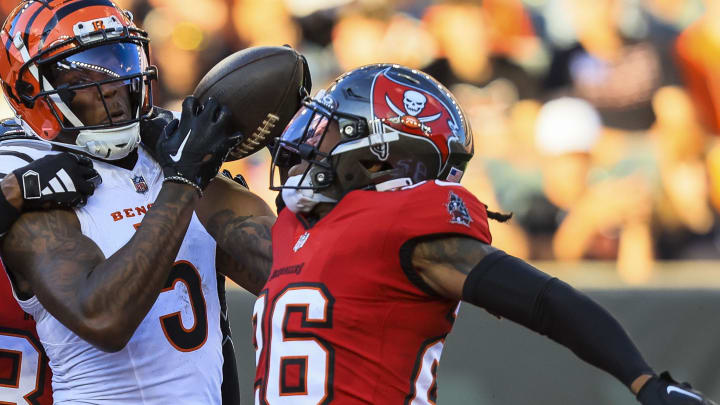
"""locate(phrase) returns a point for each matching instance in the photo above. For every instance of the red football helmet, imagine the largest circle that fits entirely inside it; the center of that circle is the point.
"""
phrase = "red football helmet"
(76, 73)
(376, 127)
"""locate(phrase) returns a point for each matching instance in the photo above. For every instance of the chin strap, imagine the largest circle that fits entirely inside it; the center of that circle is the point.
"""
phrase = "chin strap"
(110, 144)
(302, 200)
(106, 144)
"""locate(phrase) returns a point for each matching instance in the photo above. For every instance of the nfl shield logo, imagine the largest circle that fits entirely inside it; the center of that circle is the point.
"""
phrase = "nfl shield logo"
(140, 184)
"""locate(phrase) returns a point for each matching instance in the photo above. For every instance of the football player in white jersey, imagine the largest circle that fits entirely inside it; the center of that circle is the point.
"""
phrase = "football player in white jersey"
(124, 295)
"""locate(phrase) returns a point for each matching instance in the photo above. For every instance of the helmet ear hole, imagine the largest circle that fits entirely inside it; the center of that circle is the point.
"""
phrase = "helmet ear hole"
(373, 166)
(25, 89)
(10, 93)
(352, 128)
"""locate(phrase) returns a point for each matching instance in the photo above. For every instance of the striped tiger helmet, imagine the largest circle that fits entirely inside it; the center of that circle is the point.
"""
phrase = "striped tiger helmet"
(76, 74)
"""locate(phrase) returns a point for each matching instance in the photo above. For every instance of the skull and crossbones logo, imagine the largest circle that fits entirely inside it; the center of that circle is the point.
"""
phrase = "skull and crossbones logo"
(414, 103)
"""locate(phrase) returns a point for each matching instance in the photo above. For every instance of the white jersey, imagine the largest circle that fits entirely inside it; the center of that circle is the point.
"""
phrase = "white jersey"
(175, 355)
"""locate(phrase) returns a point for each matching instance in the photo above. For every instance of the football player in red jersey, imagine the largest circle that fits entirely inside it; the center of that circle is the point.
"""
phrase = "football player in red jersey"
(379, 244)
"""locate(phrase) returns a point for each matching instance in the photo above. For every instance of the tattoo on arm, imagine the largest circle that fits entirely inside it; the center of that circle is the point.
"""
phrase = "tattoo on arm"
(459, 253)
(244, 247)
(444, 262)
(101, 300)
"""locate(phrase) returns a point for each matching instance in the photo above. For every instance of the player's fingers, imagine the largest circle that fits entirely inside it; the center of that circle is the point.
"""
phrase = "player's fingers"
(95, 179)
(80, 201)
(239, 179)
(232, 141)
(170, 128)
(91, 179)
(84, 161)
(190, 105)
(86, 187)
(70, 156)
(220, 115)
(79, 159)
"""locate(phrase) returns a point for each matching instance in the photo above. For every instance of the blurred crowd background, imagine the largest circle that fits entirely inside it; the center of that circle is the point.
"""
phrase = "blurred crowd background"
(595, 121)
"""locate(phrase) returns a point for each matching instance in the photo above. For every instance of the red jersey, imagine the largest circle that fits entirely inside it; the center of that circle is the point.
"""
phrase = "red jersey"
(339, 319)
(25, 377)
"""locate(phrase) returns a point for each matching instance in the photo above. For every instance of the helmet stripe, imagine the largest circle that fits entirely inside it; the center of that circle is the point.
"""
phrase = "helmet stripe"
(20, 15)
(17, 18)
(69, 9)
(31, 21)
(7, 49)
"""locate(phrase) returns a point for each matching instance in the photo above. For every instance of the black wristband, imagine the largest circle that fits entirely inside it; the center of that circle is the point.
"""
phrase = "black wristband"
(8, 214)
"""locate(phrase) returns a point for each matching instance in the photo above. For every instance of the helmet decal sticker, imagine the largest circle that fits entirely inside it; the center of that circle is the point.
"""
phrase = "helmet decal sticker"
(326, 100)
(454, 175)
(405, 107)
(381, 150)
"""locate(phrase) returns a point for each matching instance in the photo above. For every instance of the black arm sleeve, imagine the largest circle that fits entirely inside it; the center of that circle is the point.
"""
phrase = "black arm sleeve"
(511, 288)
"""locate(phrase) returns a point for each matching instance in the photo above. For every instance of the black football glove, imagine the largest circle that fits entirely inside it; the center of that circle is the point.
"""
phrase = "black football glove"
(64, 180)
(663, 390)
(239, 179)
(192, 150)
(151, 128)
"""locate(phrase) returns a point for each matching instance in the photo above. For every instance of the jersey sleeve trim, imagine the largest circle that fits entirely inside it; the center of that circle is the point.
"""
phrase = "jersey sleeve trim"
(12, 158)
(18, 155)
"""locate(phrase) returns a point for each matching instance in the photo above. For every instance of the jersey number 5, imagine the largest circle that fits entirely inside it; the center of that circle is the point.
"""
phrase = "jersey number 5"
(299, 363)
(181, 338)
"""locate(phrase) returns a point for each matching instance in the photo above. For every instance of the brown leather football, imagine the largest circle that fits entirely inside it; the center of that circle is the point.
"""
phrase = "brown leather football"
(262, 87)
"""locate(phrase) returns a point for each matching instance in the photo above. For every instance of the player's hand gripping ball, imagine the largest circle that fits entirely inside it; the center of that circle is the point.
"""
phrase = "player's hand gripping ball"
(191, 150)
(663, 390)
(262, 87)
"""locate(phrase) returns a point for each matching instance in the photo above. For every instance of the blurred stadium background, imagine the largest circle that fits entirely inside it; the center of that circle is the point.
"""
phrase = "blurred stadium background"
(596, 123)
(624, 167)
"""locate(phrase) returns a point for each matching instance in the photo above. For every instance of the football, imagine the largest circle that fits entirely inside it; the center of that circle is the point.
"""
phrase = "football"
(262, 87)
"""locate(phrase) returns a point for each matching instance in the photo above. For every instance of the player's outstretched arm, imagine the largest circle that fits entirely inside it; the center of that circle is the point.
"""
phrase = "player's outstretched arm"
(240, 222)
(467, 269)
(103, 300)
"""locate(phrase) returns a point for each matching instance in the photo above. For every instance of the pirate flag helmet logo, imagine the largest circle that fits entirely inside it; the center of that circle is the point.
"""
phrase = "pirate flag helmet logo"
(407, 107)
(376, 127)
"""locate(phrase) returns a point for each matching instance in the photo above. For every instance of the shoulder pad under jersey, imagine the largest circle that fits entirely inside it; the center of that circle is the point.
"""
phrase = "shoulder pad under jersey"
(11, 129)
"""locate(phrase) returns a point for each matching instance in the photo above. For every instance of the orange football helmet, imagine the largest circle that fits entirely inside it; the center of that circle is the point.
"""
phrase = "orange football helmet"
(76, 74)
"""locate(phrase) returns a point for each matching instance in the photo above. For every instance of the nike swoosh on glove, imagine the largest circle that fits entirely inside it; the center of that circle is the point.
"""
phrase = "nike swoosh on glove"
(192, 150)
(663, 390)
